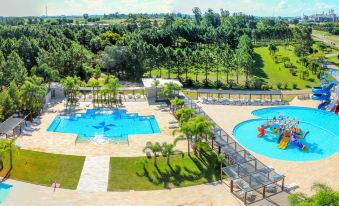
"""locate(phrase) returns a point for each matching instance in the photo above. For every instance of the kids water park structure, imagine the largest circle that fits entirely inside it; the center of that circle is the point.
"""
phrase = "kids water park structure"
(323, 93)
(286, 129)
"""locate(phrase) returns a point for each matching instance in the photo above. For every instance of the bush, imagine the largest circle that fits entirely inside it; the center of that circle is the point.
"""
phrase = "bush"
(311, 79)
(308, 86)
(279, 85)
(293, 71)
(295, 86)
(288, 64)
(265, 87)
(256, 83)
(285, 85)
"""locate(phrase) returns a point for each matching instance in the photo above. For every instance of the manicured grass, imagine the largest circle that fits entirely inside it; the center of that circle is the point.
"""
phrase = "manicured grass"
(265, 67)
(334, 60)
(45, 168)
(139, 173)
(276, 72)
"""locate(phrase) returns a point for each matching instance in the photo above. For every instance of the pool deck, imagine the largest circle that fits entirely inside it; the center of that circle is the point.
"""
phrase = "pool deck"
(207, 195)
(304, 174)
(62, 143)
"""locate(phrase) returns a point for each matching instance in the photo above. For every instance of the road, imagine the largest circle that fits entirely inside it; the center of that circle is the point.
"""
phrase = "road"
(323, 39)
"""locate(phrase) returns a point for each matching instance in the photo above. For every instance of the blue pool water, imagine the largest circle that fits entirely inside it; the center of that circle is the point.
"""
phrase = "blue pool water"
(4, 191)
(113, 125)
(322, 140)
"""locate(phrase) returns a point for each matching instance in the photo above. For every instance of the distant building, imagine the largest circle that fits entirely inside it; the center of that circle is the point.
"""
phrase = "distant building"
(324, 17)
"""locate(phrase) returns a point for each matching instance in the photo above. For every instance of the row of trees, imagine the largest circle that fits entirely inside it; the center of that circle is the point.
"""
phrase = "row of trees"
(29, 97)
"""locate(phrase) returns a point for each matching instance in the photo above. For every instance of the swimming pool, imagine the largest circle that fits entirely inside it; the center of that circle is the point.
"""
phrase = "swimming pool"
(322, 140)
(113, 125)
(4, 191)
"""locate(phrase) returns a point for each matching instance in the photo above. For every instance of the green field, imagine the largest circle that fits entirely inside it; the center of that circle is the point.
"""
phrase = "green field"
(334, 60)
(44, 168)
(265, 67)
(139, 173)
(276, 72)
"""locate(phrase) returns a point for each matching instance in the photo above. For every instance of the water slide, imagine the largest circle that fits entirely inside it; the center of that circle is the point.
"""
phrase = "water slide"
(297, 143)
(283, 143)
(323, 94)
(336, 110)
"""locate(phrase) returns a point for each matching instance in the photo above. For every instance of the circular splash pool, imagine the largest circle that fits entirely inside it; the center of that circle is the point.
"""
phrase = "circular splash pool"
(322, 139)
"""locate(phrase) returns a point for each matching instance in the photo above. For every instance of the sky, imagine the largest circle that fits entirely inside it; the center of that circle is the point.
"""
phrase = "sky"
(79, 7)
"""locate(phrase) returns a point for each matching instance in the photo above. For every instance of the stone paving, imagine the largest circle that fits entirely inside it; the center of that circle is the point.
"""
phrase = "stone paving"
(62, 143)
(304, 174)
(94, 175)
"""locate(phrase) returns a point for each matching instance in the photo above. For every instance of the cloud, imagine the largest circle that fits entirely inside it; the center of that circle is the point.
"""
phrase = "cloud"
(282, 4)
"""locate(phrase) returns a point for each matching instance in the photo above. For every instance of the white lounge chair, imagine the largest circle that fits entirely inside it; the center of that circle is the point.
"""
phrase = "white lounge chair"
(173, 122)
(173, 126)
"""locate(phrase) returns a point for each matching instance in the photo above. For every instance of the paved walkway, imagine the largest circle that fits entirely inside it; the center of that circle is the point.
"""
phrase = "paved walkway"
(25, 194)
(94, 175)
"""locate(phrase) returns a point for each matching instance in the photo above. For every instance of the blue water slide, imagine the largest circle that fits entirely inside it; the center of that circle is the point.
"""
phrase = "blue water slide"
(323, 90)
(323, 94)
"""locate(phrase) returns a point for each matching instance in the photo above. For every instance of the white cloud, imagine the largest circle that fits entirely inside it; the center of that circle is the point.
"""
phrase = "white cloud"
(282, 4)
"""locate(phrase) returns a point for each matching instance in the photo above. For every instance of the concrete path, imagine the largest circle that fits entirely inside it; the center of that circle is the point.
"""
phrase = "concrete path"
(25, 194)
(94, 175)
(325, 40)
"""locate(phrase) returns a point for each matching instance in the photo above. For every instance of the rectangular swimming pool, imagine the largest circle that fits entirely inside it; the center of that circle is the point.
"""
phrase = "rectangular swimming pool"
(113, 125)
(4, 191)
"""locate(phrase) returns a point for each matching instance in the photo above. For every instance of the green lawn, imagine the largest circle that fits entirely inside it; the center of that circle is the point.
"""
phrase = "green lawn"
(139, 173)
(44, 168)
(276, 72)
(265, 67)
(334, 60)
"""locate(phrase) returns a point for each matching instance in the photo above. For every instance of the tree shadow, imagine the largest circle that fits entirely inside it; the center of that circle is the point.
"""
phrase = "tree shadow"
(258, 67)
(175, 175)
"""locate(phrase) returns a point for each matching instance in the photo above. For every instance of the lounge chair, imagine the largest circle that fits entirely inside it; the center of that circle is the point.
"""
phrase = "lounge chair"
(165, 109)
(173, 122)
(30, 129)
(26, 133)
(173, 126)
(271, 188)
(289, 187)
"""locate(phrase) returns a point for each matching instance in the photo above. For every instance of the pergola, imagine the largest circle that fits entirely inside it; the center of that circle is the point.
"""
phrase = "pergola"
(250, 93)
(132, 89)
(10, 124)
(244, 170)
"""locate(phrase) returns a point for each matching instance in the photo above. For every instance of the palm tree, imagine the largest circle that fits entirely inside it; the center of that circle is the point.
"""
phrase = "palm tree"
(113, 85)
(202, 126)
(221, 159)
(168, 150)
(154, 148)
(71, 86)
(184, 114)
(169, 88)
(177, 103)
(155, 85)
(324, 196)
(94, 83)
(7, 145)
(187, 132)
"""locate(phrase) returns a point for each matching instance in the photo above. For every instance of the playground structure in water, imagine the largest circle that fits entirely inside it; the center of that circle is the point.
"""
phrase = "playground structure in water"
(323, 93)
(287, 131)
